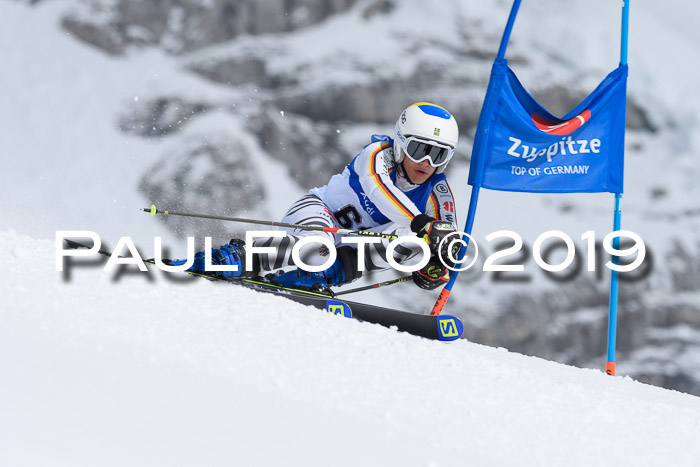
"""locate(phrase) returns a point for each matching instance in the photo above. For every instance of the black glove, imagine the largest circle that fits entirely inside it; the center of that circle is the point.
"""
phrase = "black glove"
(455, 245)
(431, 230)
(433, 275)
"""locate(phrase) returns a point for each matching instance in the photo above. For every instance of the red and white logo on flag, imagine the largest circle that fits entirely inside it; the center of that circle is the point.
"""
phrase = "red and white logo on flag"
(563, 128)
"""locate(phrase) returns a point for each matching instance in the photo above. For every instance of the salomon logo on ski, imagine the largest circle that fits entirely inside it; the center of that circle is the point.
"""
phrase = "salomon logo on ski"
(338, 308)
(449, 328)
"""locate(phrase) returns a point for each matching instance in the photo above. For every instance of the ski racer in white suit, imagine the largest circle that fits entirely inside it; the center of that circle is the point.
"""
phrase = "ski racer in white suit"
(394, 185)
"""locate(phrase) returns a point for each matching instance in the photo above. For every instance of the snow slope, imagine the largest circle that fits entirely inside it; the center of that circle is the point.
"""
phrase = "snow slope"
(108, 369)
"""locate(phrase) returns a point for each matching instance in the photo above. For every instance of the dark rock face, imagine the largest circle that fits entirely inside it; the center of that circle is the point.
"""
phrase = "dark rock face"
(235, 71)
(658, 341)
(309, 148)
(180, 26)
(210, 174)
(160, 116)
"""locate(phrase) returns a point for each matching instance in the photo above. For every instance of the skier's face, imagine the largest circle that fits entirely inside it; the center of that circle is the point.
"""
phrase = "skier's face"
(418, 172)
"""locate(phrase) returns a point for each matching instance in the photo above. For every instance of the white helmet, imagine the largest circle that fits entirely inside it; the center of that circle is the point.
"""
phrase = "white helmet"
(426, 131)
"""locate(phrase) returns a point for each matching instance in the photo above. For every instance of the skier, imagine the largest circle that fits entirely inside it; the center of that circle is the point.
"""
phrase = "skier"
(393, 186)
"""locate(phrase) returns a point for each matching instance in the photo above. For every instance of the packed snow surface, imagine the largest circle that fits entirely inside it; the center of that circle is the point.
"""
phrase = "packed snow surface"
(109, 368)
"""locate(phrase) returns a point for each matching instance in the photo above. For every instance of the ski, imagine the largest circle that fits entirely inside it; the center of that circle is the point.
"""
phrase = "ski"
(442, 327)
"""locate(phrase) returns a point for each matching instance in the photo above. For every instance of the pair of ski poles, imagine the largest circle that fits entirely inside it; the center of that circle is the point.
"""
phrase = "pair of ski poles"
(365, 233)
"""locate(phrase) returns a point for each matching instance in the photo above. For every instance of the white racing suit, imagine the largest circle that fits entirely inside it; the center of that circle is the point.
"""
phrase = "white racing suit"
(372, 193)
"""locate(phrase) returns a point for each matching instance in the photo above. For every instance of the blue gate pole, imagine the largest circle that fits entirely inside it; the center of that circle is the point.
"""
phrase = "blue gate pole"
(614, 279)
(625, 32)
(614, 282)
(509, 28)
(445, 292)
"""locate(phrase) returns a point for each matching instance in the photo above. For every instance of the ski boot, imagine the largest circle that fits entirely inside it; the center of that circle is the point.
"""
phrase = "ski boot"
(231, 254)
(343, 271)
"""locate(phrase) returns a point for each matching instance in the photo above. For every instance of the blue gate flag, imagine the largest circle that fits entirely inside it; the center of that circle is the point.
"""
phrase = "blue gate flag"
(520, 146)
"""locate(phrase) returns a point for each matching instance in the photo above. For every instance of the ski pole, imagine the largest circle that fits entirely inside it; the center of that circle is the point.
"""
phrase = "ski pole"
(365, 233)
(375, 286)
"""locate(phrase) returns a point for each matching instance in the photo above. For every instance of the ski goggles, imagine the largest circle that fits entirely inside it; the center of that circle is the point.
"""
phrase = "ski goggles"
(419, 150)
